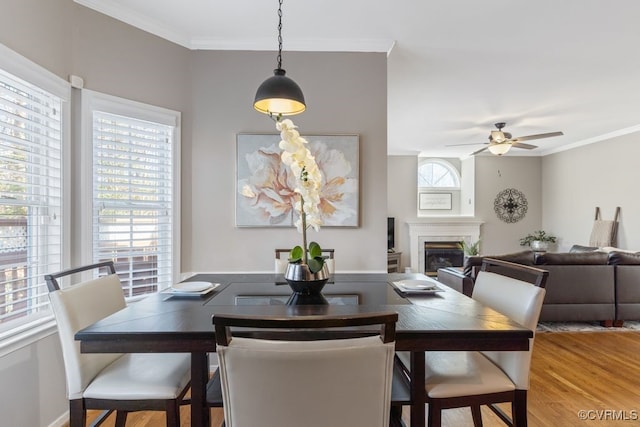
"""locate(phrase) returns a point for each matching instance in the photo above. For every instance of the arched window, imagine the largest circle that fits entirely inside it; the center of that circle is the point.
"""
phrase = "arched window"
(437, 173)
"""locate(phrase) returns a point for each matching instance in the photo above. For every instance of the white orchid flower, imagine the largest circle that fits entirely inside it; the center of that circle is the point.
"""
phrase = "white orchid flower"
(308, 177)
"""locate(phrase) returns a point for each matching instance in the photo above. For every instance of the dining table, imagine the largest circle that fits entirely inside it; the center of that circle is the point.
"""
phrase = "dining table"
(432, 319)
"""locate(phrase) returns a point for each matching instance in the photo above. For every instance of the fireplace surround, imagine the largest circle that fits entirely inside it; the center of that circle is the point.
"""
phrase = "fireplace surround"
(440, 255)
(439, 229)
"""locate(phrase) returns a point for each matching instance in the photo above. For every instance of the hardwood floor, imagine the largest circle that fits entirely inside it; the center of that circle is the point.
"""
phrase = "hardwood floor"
(595, 372)
(573, 372)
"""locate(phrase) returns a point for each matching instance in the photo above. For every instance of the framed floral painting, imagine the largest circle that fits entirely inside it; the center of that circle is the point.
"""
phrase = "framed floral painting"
(265, 191)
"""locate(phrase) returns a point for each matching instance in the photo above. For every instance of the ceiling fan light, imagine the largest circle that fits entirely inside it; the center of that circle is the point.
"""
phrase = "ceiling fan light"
(497, 136)
(499, 149)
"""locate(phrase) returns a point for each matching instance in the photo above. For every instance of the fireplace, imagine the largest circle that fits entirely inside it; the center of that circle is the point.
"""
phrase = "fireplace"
(442, 254)
(439, 229)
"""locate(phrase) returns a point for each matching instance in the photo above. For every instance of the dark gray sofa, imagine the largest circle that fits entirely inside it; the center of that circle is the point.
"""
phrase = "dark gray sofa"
(582, 286)
(627, 285)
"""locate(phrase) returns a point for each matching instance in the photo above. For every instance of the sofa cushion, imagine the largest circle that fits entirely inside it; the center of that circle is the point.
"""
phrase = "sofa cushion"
(624, 258)
(523, 257)
(609, 249)
(573, 258)
(580, 248)
(580, 284)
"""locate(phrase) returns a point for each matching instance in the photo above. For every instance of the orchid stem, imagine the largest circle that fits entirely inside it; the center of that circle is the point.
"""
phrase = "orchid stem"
(304, 231)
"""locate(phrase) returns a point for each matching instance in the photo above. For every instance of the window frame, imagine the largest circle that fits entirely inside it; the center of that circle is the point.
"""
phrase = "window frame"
(92, 101)
(33, 328)
(424, 160)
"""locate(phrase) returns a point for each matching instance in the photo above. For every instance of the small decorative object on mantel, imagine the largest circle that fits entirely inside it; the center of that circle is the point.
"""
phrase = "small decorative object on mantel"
(306, 272)
(470, 249)
(510, 205)
(538, 240)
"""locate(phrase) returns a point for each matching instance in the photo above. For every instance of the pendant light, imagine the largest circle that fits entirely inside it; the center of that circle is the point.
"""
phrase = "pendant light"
(279, 95)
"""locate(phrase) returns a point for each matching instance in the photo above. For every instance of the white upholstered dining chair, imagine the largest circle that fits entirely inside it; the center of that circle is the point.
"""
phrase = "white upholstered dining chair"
(290, 383)
(120, 382)
(455, 379)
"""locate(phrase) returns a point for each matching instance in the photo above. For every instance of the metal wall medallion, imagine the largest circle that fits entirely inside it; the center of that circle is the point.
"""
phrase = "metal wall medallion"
(510, 205)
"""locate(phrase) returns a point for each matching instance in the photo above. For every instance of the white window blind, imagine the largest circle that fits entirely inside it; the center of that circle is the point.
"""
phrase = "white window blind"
(30, 197)
(133, 199)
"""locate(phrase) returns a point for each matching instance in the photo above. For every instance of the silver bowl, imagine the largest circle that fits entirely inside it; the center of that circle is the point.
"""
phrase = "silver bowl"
(301, 272)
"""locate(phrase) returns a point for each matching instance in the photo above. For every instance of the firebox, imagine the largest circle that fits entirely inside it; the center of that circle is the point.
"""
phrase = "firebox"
(442, 254)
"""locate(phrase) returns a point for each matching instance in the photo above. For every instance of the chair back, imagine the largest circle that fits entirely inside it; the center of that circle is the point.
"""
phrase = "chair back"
(519, 300)
(312, 383)
(76, 307)
(525, 273)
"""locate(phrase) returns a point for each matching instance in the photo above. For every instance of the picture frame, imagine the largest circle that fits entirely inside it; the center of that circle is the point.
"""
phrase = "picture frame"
(265, 194)
(435, 201)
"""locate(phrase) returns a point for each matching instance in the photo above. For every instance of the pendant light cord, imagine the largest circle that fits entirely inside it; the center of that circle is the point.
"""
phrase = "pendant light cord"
(278, 95)
(280, 35)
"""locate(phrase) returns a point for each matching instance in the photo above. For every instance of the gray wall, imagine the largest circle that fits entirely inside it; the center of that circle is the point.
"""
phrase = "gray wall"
(40, 31)
(492, 175)
(346, 93)
(605, 174)
(32, 387)
(402, 203)
(349, 99)
(562, 190)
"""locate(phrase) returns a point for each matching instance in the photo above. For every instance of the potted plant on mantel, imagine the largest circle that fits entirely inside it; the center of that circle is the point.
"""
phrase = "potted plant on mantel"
(538, 241)
(470, 249)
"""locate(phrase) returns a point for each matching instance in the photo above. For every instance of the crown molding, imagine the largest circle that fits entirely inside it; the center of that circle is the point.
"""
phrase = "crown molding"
(137, 20)
(260, 44)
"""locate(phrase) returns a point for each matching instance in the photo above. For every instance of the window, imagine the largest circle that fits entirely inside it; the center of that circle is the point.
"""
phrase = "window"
(436, 173)
(134, 203)
(33, 136)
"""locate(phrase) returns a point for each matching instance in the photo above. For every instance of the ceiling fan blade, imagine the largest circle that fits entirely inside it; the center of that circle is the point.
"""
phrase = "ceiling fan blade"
(470, 143)
(480, 150)
(525, 146)
(538, 136)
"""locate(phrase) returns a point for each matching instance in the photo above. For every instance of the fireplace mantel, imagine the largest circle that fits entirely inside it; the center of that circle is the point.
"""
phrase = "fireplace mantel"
(439, 229)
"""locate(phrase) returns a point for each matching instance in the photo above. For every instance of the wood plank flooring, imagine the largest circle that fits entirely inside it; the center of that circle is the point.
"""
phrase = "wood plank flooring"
(571, 372)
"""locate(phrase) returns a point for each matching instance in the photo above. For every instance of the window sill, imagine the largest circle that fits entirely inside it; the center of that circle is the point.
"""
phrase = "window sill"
(15, 338)
(27, 334)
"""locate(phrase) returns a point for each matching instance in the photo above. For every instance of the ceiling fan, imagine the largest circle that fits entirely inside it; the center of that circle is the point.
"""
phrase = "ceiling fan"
(501, 142)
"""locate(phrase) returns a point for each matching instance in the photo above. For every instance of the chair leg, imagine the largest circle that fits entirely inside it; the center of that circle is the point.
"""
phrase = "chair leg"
(434, 414)
(173, 413)
(77, 413)
(395, 419)
(476, 414)
(519, 409)
(121, 418)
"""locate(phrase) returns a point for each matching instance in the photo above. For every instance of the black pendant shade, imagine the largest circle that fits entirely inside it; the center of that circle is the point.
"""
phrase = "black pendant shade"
(279, 95)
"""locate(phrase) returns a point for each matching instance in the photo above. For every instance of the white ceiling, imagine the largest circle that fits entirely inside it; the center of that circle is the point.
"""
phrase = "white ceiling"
(455, 67)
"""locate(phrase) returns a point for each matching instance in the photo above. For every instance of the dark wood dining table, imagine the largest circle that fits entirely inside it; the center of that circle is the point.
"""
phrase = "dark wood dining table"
(164, 322)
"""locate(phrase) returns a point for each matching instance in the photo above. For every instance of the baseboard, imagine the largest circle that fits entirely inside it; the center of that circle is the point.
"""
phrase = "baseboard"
(61, 421)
